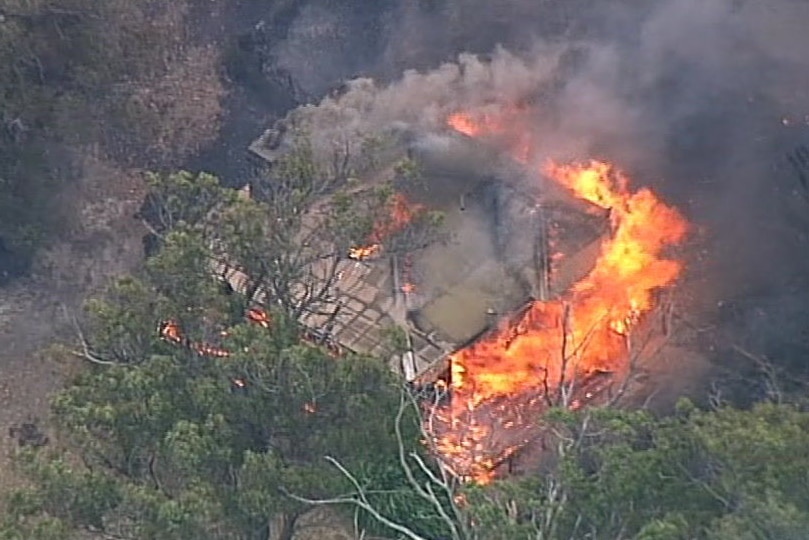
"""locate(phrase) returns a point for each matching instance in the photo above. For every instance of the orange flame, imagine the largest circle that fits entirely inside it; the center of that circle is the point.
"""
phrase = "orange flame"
(581, 334)
(502, 123)
(258, 316)
(401, 214)
(466, 123)
(170, 331)
(364, 252)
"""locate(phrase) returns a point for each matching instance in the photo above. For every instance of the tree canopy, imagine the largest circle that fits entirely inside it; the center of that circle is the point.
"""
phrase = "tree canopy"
(219, 429)
(715, 474)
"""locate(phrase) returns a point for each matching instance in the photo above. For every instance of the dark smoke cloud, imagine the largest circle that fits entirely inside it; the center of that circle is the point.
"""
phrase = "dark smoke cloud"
(690, 96)
(644, 72)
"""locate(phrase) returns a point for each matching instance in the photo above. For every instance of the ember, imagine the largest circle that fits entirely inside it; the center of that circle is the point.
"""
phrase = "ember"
(170, 331)
(502, 383)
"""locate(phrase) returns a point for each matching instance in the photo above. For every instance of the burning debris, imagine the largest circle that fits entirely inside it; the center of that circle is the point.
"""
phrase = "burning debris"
(259, 317)
(363, 253)
(170, 331)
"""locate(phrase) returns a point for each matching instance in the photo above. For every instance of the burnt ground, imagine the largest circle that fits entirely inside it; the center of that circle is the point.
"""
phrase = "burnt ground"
(29, 318)
(103, 239)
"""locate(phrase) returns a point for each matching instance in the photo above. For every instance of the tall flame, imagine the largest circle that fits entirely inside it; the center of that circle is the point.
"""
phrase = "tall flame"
(582, 334)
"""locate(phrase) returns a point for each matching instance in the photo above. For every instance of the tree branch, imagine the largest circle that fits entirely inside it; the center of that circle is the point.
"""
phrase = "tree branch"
(86, 353)
(360, 500)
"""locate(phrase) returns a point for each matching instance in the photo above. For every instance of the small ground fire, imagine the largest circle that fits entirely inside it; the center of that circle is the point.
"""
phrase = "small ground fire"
(500, 384)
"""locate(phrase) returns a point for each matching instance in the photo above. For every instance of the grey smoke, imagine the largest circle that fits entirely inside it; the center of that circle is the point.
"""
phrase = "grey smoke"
(422, 100)
(639, 77)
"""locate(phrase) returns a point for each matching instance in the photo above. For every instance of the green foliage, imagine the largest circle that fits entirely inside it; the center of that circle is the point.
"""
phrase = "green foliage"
(392, 495)
(669, 527)
(396, 338)
(169, 448)
(163, 444)
(123, 322)
(67, 498)
(701, 474)
(184, 199)
(298, 170)
(183, 273)
(408, 172)
(762, 517)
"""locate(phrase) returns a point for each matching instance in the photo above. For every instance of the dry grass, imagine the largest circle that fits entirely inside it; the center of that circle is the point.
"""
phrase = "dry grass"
(102, 241)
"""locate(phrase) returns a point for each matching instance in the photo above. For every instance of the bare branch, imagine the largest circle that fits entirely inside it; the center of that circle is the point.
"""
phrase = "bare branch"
(86, 353)
(767, 369)
(429, 490)
(715, 396)
(360, 500)
(426, 492)
(151, 229)
(704, 485)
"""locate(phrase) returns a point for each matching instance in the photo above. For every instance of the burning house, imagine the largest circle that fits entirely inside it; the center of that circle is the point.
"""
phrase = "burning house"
(504, 318)
(509, 241)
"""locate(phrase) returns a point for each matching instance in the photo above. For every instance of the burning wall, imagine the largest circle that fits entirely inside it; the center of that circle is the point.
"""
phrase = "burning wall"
(560, 351)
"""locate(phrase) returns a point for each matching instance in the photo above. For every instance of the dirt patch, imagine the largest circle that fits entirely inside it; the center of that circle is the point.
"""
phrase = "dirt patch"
(103, 237)
(103, 240)
(29, 319)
